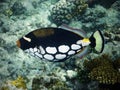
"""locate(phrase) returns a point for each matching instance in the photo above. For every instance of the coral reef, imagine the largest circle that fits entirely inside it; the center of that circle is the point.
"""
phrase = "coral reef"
(63, 11)
(92, 18)
(113, 35)
(117, 63)
(18, 84)
(102, 69)
(105, 75)
(83, 76)
(98, 17)
(116, 5)
(112, 39)
(18, 17)
(18, 8)
(49, 82)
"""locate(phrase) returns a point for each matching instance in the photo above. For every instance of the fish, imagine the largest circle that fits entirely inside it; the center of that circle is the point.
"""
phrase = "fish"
(57, 44)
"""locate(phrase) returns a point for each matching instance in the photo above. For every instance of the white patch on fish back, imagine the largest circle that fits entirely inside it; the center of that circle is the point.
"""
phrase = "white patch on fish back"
(75, 46)
(63, 48)
(60, 56)
(71, 52)
(49, 57)
(51, 50)
(42, 50)
(27, 39)
(37, 54)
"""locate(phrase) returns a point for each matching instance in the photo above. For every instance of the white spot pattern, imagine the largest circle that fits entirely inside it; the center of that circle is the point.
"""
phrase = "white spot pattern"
(32, 53)
(51, 50)
(31, 50)
(49, 57)
(71, 52)
(79, 42)
(38, 50)
(42, 50)
(27, 50)
(39, 55)
(35, 49)
(60, 56)
(75, 46)
(63, 48)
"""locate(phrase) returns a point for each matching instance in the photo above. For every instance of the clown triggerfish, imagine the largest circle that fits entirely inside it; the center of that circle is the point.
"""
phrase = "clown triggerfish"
(59, 44)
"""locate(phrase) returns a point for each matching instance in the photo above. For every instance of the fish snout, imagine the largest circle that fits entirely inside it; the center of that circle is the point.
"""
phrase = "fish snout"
(18, 43)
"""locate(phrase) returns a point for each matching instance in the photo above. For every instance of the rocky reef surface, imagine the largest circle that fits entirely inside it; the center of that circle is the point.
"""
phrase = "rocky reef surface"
(20, 71)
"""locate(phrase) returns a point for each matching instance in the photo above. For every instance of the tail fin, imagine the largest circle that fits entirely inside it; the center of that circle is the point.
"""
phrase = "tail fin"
(97, 41)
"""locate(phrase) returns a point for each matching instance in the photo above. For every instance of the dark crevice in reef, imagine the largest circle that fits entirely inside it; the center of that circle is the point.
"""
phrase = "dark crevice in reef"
(104, 3)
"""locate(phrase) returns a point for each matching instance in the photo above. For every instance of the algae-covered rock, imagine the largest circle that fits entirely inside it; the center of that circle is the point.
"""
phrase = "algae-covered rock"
(18, 84)
(18, 8)
(48, 82)
(63, 11)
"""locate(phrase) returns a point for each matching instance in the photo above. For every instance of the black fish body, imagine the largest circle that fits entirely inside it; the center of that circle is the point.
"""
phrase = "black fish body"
(57, 44)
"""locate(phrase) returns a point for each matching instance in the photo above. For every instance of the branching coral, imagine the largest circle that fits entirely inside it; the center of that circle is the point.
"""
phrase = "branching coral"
(102, 69)
(65, 10)
(105, 75)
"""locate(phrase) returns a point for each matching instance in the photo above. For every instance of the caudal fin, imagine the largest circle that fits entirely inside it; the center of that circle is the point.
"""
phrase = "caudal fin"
(97, 41)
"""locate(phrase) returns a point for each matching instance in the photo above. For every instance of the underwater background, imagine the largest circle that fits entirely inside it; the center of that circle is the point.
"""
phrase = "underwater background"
(21, 71)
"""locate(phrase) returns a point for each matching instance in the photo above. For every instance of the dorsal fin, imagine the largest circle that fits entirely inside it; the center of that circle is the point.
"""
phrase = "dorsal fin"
(74, 30)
